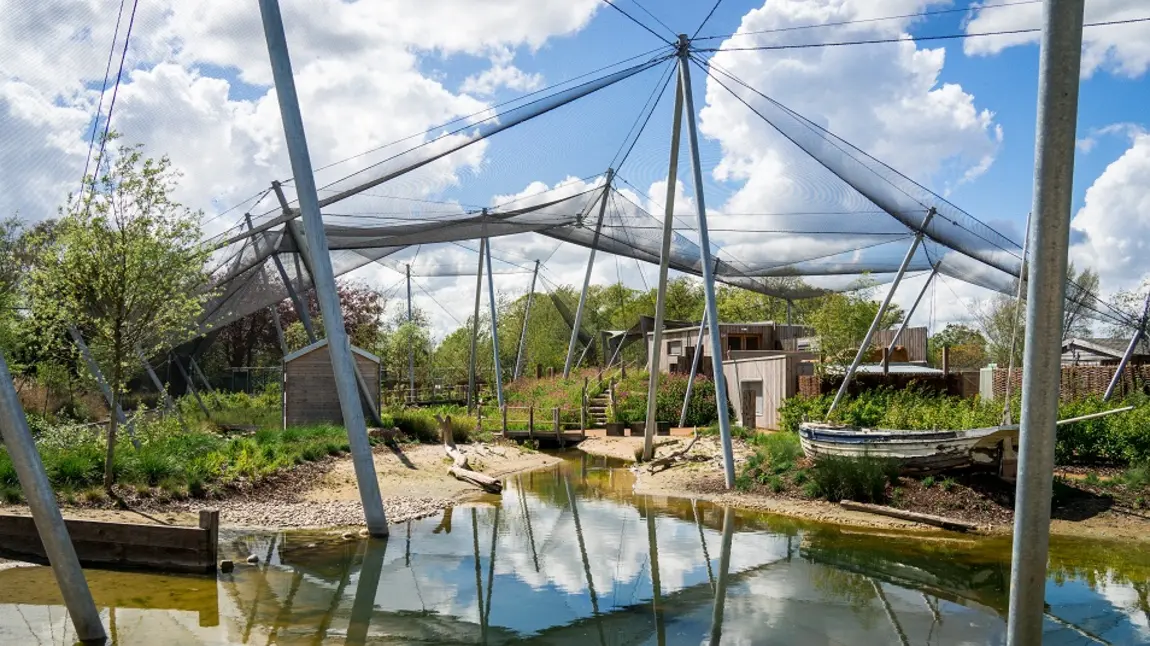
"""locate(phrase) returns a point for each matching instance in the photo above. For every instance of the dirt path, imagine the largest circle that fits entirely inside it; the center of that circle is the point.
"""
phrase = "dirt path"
(413, 481)
(703, 479)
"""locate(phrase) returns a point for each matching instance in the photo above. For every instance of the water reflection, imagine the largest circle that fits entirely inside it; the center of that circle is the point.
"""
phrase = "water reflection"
(571, 556)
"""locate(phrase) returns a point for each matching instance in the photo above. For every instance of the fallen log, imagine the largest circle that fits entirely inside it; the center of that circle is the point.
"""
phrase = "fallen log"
(666, 461)
(926, 519)
(460, 469)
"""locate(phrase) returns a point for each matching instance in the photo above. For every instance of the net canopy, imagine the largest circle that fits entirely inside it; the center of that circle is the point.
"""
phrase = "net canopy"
(834, 218)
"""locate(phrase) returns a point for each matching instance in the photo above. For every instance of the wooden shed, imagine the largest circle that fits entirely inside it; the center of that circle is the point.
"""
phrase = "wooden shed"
(759, 382)
(309, 392)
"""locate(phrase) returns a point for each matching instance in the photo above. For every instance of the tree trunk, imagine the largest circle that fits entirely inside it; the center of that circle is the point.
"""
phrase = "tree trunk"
(109, 459)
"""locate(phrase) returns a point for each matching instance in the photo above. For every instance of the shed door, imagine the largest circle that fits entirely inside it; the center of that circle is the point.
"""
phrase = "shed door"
(752, 402)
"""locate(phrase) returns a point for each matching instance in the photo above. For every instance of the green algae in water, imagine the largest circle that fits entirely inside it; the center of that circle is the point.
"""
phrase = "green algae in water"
(571, 556)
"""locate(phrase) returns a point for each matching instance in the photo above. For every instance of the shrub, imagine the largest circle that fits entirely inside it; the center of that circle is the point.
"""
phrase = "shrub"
(928, 482)
(631, 400)
(860, 479)
(8, 477)
(774, 455)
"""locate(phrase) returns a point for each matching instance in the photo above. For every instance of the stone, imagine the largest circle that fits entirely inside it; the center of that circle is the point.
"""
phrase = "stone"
(311, 546)
(253, 559)
(364, 533)
(347, 536)
(227, 566)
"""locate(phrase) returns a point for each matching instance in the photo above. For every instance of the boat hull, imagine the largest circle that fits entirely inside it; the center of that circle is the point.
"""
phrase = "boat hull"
(918, 452)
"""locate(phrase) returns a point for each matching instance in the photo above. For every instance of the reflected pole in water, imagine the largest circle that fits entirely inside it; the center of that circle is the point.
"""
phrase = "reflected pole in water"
(263, 583)
(365, 591)
(46, 513)
(1060, 61)
(285, 610)
(656, 592)
(889, 612)
(478, 577)
(321, 634)
(527, 516)
(703, 540)
(586, 562)
(491, 567)
(724, 569)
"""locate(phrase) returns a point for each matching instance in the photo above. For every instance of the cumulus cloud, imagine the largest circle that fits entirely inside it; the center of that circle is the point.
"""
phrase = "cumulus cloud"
(1113, 226)
(1121, 49)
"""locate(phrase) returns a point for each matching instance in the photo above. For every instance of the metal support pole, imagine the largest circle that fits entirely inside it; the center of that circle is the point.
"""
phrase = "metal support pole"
(279, 329)
(654, 352)
(300, 305)
(339, 347)
(410, 344)
(694, 370)
(1138, 334)
(1023, 273)
(526, 319)
(168, 403)
(94, 370)
(200, 373)
(587, 276)
(191, 386)
(494, 326)
(1058, 80)
(472, 399)
(708, 269)
(297, 302)
(910, 312)
(45, 513)
(789, 305)
(865, 345)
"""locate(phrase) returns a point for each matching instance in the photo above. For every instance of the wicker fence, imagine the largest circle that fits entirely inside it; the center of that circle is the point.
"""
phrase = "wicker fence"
(1082, 381)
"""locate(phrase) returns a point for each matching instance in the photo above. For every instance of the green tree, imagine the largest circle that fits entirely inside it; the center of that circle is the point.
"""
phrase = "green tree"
(967, 346)
(1081, 300)
(841, 322)
(10, 273)
(125, 266)
(1001, 321)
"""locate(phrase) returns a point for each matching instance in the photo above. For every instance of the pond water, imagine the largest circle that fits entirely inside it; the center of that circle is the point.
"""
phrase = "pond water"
(570, 556)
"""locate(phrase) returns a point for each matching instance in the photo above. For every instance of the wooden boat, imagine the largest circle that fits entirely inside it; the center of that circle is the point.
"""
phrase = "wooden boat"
(918, 452)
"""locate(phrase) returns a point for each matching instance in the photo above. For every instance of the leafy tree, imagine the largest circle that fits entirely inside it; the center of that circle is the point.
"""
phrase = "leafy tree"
(1081, 300)
(125, 266)
(1001, 320)
(1130, 302)
(967, 346)
(841, 322)
(10, 272)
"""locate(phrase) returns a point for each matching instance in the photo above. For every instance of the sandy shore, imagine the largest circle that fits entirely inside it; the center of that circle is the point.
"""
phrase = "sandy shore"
(413, 481)
(702, 479)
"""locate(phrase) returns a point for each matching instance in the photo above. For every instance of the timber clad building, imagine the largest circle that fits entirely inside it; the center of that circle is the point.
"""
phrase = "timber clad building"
(309, 392)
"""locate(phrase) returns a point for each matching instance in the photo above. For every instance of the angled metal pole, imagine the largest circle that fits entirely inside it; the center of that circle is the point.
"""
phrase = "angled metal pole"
(168, 403)
(526, 319)
(275, 314)
(575, 327)
(200, 373)
(865, 346)
(410, 346)
(1058, 80)
(297, 303)
(191, 386)
(472, 399)
(98, 375)
(694, 370)
(586, 561)
(339, 347)
(494, 327)
(655, 352)
(1138, 334)
(708, 269)
(1023, 274)
(910, 312)
(45, 513)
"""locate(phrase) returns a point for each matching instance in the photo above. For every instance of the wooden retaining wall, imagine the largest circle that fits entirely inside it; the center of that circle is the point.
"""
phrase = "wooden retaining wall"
(162, 548)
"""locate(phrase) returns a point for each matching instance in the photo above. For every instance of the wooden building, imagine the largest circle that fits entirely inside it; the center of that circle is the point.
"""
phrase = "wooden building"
(759, 382)
(679, 343)
(309, 392)
(1102, 352)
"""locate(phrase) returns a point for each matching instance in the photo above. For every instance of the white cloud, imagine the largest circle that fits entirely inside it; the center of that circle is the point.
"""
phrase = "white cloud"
(1114, 223)
(1122, 49)
(501, 74)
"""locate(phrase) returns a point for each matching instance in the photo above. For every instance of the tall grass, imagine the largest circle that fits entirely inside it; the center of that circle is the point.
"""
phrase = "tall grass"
(859, 479)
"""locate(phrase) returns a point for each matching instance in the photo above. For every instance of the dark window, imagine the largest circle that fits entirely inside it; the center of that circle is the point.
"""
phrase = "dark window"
(734, 343)
(752, 343)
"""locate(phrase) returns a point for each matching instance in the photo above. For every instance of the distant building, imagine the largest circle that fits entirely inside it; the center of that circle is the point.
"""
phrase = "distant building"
(1102, 352)
(739, 341)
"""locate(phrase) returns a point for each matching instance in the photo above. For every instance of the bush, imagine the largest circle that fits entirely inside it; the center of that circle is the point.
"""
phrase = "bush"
(774, 455)
(859, 479)
(631, 400)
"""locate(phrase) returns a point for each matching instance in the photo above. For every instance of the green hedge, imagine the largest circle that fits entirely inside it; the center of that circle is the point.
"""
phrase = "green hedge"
(631, 400)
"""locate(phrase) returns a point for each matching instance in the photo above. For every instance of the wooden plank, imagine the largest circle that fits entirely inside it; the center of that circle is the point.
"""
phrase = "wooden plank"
(926, 519)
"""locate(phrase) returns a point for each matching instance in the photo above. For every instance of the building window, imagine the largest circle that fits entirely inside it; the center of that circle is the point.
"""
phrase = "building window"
(675, 348)
(734, 343)
(752, 343)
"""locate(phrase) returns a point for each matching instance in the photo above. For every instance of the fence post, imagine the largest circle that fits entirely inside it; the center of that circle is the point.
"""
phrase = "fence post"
(505, 419)
(531, 421)
(558, 427)
(946, 360)
(538, 371)
(886, 360)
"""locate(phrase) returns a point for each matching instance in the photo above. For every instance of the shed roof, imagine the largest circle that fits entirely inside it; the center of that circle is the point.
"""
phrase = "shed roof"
(323, 343)
(1113, 347)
